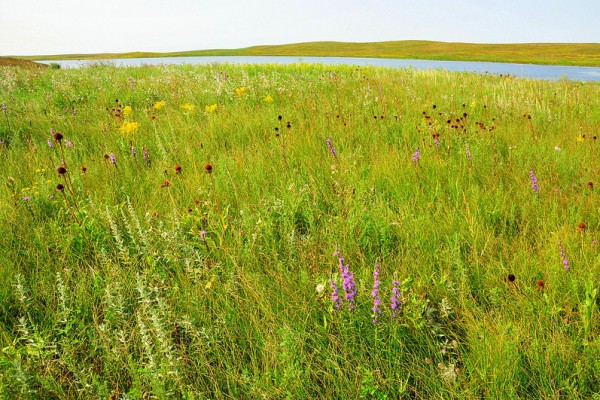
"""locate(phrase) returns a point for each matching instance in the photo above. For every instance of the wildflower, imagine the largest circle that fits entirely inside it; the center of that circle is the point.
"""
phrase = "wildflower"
(113, 158)
(127, 111)
(335, 297)
(437, 142)
(395, 299)
(177, 168)
(60, 187)
(26, 198)
(50, 144)
(416, 156)
(534, 184)
(132, 150)
(188, 107)
(166, 183)
(320, 288)
(591, 185)
(468, 152)
(331, 149)
(580, 138)
(540, 284)
(208, 168)
(348, 283)
(241, 91)
(581, 227)
(203, 236)
(4, 108)
(556, 148)
(58, 137)
(128, 128)
(375, 294)
(511, 278)
(268, 99)
(61, 170)
(159, 104)
(211, 108)
(146, 155)
(563, 257)
(83, 169)
(68, 143)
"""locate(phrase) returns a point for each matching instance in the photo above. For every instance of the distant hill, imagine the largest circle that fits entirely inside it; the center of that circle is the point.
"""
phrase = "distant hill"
(584, 54)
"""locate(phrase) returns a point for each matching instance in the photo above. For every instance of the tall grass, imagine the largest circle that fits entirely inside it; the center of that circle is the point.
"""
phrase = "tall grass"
(190, 250)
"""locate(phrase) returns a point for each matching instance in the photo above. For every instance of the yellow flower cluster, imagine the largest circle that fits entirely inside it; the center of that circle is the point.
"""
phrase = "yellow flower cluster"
(128, 111)
(268, 99)
(211, 108)
(188, 107)
(241, 91)
(129, 128)
(159, 104)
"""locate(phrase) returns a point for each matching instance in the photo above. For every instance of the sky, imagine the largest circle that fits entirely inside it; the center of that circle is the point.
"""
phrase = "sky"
(48, 27)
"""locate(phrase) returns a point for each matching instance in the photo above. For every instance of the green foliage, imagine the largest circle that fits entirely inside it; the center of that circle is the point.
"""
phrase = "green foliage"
(140, 272)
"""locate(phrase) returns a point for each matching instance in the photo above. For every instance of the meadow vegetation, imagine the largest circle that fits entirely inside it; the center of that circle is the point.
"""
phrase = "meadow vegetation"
(301, 231)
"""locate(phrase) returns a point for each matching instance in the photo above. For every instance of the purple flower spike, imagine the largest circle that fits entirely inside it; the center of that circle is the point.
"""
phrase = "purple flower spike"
(416, 156)
(335, 297)
(563, 257)
(132, 151)
(348, 282)
(50, 144)
(113, 159)
(395, 299)
(375, 294)
(534, 184)
(331, 149)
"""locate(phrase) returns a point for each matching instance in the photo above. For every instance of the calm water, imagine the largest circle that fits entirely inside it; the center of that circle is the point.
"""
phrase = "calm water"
(549, 72)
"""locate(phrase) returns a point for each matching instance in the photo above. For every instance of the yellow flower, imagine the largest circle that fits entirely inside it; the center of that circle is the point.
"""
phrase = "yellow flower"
(159, 104)
(474, 104)
(211, 109)
(188, 107)
(129, 127)
(268, 99)
(241, 91)
(127, 111)
(580, 138)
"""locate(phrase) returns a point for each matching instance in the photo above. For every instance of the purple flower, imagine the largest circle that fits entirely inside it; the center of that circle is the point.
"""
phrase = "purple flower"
(534, 184)
(563, 257)
(468, 152)
(395, 299)
(26, 198)
(348, 282)
(132, 151)
(416, 156)
(113, 159)
(50, 144)
(203, 236)
(375, 294)
(335, 297)
(437, 142)
(68, 143)
(146, 156)
(331, 149)
(74, 111)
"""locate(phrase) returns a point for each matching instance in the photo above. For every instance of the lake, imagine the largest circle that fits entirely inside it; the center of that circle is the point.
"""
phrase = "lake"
(548, 72)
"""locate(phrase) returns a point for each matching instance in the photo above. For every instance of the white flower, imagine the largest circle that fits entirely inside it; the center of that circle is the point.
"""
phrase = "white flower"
(320, 288)
(557, 148)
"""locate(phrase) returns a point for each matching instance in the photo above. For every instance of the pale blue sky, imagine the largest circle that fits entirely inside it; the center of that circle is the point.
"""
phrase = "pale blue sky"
(36, 27)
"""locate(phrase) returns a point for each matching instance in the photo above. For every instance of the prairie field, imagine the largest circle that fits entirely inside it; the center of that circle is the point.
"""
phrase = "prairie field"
(299, 232)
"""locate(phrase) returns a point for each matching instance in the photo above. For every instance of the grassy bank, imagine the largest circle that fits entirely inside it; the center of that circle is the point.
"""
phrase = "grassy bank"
(18, 62)
(584, 54)
(169, 232)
